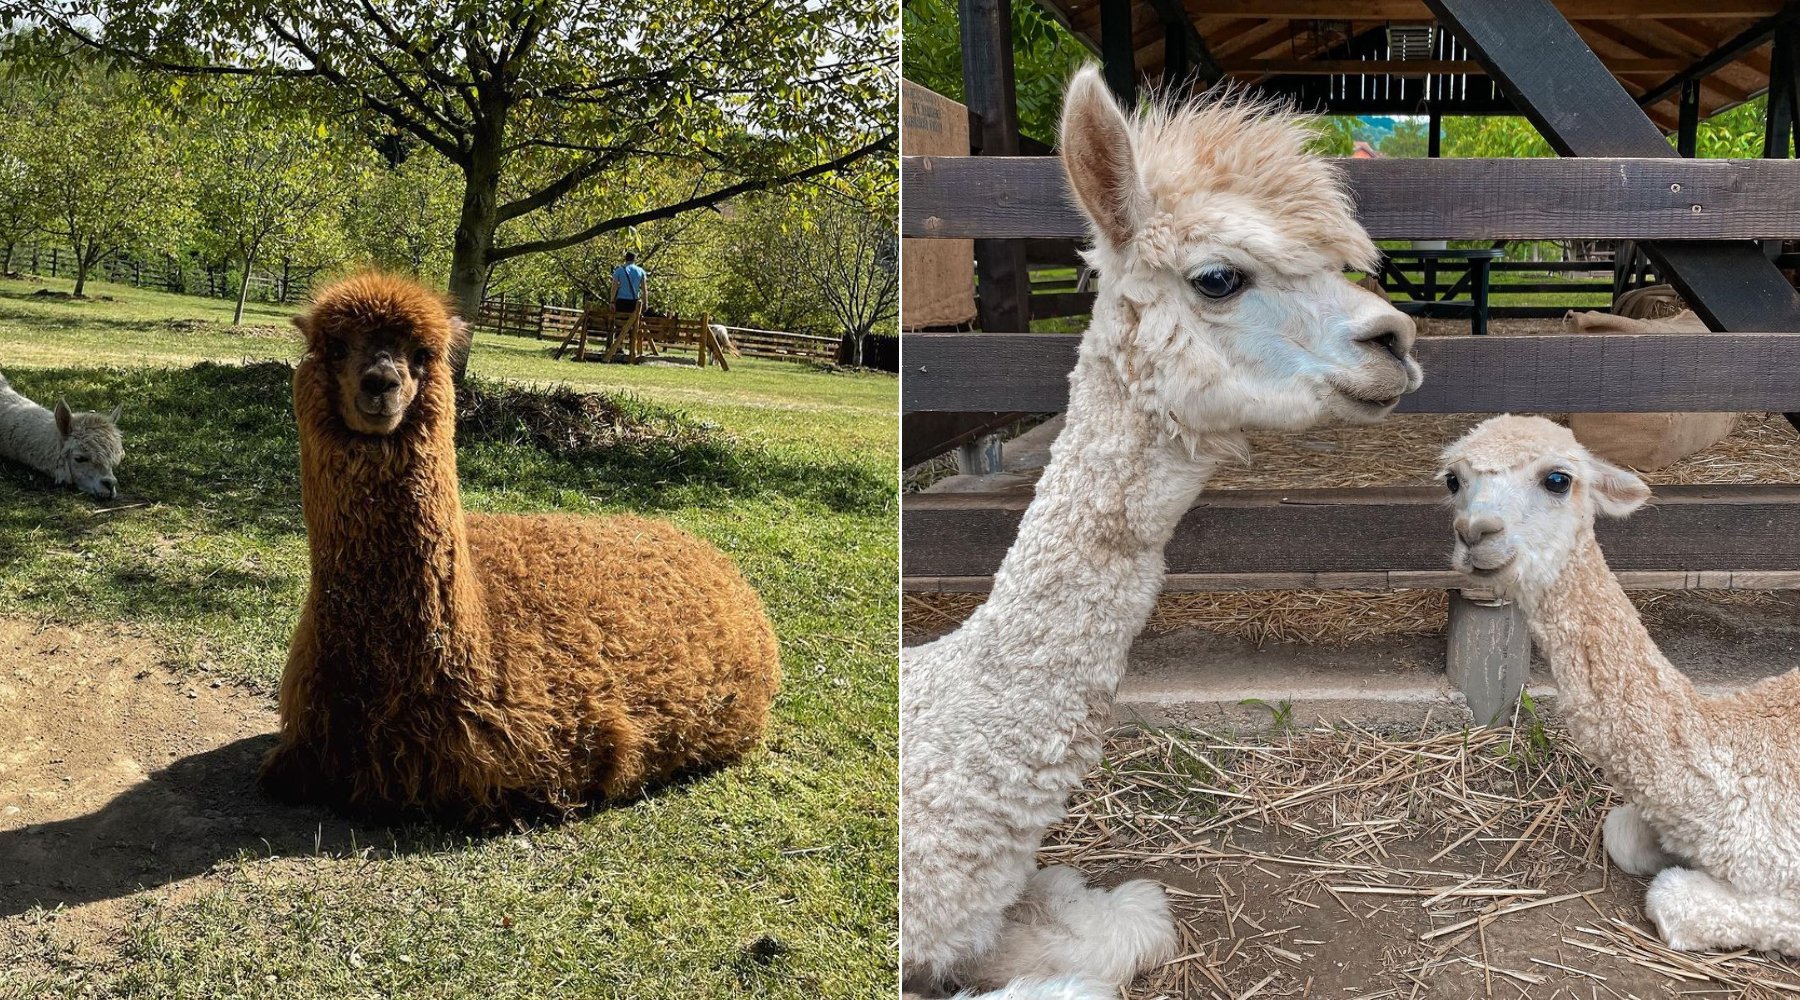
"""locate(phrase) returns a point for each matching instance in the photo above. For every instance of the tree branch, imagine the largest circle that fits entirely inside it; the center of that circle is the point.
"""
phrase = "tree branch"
(498, 254)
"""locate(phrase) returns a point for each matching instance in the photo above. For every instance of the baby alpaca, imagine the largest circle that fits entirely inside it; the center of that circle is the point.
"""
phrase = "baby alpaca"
(1711, 784)
(1222, 308)
(72, 448)
(474, 666)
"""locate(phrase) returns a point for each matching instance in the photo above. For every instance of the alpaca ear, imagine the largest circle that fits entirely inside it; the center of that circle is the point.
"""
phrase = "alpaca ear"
(64, 419)
(1617, 492)
(114, 415)
(1097, 153)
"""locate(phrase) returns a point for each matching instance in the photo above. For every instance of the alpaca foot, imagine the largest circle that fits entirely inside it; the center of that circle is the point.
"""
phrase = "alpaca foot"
(1695, 912)
(1632, 844)
(1062, 928)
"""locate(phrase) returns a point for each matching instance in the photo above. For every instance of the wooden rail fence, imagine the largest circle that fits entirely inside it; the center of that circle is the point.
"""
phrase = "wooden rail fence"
(657, 334)
(1694, 536)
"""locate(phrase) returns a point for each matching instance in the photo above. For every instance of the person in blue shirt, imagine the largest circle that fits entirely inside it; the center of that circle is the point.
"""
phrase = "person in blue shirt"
(628, 284)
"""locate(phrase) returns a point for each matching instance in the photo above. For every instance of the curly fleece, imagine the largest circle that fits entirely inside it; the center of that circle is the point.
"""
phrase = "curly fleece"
(481, 667)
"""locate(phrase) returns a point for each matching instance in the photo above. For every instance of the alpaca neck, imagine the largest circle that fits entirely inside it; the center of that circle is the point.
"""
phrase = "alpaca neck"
(385, 526)
(1611, 679)
(28, 434)
(1081, 578)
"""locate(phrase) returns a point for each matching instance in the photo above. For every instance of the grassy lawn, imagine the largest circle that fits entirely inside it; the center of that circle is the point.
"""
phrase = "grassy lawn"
(792, 471)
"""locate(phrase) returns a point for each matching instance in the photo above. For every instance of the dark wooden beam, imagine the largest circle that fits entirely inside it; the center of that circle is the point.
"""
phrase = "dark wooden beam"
(1434, 140)
(1368, 530)
(1582, 111)
(1687, 128)
(1180, 32)
(1002, 284)
(1456, 199)
(1117, 53)
(925, 436)
(1586, 373)
(1784, 92)
(1724, 55)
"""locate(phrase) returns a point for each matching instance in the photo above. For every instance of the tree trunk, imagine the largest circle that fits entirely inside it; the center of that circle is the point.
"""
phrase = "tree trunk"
(474, 237)
(6, 268)
(81, 272)
(237, 315)
(856, 349)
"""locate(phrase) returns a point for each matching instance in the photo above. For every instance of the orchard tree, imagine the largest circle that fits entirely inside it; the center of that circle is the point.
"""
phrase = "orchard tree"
(850, 255)
(532, 100)
(403, 217)
(264, 179)
(102, 170)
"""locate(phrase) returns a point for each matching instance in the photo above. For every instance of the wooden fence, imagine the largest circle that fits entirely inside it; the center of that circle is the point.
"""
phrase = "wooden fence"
(1695, 536)
(182, 276)
(523, 318)
(783, 346)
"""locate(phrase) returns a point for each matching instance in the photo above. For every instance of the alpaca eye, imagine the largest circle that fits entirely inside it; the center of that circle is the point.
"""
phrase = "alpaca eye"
(1452, 482)
(421, 357)
(1218, 282)
(1558, 482)
(337, 351)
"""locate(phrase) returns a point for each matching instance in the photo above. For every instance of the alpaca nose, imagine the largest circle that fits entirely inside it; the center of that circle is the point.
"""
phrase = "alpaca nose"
(1391, 332)
(1474, 530)
(380, 380)
(111, 486)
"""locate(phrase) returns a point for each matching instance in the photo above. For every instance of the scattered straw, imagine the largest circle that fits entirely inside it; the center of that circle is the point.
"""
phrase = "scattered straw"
(1293, 856)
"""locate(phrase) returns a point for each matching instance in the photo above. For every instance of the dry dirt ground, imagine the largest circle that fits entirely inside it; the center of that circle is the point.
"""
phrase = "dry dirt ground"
(1347, 863)
(121, 781)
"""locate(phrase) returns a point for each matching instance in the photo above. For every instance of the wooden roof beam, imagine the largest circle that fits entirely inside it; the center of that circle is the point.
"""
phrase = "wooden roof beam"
(1385, 10)
(1722, 56)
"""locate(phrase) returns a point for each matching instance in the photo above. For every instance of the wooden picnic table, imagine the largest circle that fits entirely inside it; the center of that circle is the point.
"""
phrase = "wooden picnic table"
(1474, 278)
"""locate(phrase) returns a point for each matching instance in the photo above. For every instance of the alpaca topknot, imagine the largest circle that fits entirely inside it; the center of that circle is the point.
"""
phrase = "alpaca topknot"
(1506, 441)
(371, 301)
(1229, 151)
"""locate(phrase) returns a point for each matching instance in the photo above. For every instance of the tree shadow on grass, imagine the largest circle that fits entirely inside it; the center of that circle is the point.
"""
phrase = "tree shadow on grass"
(219, 442)
(180, 822)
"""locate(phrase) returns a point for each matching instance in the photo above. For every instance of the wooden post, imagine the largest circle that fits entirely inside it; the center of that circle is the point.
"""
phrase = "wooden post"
(702, 336)
(1488, 653)
(1784, 103)
(1175, 54)
(1687, 128)
(1003, 285)
(1434, 140)
(1116, 50)
(981, 456)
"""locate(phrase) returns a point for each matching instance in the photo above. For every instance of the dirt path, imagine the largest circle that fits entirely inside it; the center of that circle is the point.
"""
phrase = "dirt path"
(120, 778)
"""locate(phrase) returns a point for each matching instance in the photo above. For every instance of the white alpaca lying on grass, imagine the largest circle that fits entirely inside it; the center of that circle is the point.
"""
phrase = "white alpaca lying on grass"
(1223, 308)
(1711, 784)
(78, 448)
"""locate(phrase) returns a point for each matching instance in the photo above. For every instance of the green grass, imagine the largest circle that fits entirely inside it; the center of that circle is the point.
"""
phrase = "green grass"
(790, 470)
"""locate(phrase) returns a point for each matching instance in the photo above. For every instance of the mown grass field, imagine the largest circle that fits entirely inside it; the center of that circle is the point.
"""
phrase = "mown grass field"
(790, 470)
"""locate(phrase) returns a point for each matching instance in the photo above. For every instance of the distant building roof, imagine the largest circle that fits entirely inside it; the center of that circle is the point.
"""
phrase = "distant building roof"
(1363, 151)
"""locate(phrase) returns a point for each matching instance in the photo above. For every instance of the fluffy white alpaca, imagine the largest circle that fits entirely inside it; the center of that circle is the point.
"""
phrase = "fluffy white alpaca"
(78, 448)
(1223, 309)
(1711, 785)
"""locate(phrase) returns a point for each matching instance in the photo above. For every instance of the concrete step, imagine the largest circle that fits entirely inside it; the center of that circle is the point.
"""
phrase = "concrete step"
(1193, 677)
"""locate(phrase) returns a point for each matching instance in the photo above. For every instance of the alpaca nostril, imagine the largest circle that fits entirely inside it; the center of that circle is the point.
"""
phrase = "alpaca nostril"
(1389, 342)
(378, 382)
(1474, 532)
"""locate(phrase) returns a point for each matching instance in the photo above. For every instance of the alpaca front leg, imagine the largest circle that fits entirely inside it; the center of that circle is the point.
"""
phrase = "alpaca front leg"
(1632, 844)
(1695, 912)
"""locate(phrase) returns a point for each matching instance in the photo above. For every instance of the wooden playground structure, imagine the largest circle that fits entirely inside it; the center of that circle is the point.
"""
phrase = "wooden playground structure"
(601, 333)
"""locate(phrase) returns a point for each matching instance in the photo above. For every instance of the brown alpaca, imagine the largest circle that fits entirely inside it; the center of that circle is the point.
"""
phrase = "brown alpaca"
(478, 667)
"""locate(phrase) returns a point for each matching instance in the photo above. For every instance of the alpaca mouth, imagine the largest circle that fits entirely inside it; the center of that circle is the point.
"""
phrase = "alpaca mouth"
(385, 405)
(1477, 569)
